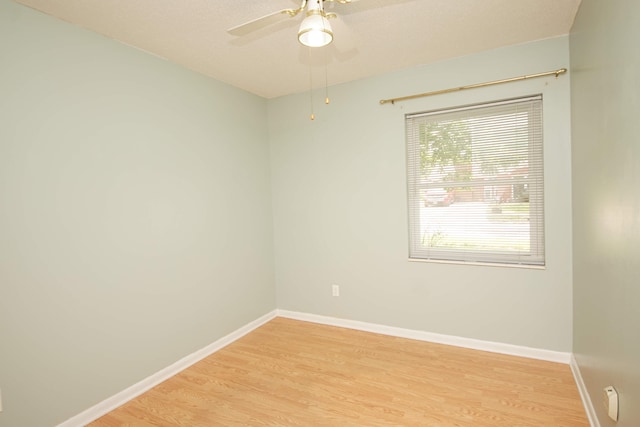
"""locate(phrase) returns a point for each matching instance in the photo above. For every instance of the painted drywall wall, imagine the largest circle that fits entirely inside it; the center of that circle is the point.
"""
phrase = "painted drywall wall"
(605, 63)
(135, 215)
(340, 206)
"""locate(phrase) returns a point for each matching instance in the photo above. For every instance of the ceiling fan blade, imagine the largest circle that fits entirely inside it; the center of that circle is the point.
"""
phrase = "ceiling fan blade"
(355, 6)
(266, 20)
(261, 22)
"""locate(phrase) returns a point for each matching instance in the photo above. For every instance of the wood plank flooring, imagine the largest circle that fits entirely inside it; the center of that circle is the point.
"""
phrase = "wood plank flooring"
(293, 373)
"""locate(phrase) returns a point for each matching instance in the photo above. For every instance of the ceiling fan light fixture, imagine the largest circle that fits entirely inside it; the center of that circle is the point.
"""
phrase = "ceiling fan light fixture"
(315, 30)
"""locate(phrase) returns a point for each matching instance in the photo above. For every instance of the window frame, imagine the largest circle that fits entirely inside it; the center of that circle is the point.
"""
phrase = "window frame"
(535, 257)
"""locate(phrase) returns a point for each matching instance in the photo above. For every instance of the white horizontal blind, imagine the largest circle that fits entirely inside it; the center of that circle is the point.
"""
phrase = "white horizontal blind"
(475, 183)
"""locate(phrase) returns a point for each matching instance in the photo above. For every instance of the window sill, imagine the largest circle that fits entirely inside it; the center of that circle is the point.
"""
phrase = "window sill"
(482, 264)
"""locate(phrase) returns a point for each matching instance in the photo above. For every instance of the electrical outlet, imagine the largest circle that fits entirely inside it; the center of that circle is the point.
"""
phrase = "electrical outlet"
(335, 290)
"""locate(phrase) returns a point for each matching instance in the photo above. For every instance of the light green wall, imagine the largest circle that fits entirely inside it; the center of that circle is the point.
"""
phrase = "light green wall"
(136, 221)
(340, 209)
(135, 215)
(605, 62)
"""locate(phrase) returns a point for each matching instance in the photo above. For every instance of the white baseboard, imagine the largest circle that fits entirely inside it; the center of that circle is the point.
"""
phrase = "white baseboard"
(584, 394)
(494, 347)
(148, 383)
(137, 389)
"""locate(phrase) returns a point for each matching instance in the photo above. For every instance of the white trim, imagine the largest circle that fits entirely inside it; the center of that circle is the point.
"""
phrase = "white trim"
(148, 383)
(494, 347)
(584, 394)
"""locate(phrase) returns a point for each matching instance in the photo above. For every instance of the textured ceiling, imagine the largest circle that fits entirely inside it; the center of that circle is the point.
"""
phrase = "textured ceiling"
(371, 36)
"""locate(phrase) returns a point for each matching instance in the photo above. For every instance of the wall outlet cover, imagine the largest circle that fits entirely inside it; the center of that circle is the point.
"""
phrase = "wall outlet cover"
(611, 402)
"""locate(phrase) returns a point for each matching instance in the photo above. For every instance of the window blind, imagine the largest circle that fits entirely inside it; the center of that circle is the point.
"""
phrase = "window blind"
(475, 183)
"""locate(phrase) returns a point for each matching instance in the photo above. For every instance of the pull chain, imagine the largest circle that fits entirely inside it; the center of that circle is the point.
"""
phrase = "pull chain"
(326, 79)
(313, 116)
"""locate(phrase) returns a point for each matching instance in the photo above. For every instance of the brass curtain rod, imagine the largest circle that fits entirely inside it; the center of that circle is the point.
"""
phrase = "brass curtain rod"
(473, 86)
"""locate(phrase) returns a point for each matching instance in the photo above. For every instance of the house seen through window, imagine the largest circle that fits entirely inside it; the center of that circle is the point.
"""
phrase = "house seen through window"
(475, 183)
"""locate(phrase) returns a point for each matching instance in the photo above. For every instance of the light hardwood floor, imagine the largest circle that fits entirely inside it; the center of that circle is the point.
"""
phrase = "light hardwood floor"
(293, 373)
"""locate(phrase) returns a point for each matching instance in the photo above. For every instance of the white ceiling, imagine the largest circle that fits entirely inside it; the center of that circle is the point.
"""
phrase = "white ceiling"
(371, 36)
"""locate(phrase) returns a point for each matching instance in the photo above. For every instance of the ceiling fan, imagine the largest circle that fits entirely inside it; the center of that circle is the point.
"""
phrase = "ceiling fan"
(315, 29)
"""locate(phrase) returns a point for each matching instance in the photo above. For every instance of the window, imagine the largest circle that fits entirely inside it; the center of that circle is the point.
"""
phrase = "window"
(475, 183)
